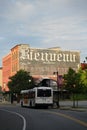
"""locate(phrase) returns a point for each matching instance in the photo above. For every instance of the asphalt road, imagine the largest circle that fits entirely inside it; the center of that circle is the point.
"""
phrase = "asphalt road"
(14, 117)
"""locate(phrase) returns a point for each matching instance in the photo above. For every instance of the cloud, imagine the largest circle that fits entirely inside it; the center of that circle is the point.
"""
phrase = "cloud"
(2, 38)
(44, 23)
(18, 11)
(68, 28)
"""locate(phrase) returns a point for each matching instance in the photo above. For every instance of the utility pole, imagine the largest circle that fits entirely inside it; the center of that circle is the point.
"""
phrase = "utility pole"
(57, 88)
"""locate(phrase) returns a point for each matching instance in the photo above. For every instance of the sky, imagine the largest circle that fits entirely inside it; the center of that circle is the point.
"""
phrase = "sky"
(43, 24)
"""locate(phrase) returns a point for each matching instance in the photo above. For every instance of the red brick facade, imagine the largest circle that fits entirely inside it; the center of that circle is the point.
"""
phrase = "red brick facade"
(6, 72)
(39, 62)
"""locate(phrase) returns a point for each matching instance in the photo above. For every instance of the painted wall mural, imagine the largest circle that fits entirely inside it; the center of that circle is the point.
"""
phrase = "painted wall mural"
(45, 61)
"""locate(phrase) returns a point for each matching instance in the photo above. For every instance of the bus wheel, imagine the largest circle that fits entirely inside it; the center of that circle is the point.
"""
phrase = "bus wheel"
(21, 104)
(30, 104)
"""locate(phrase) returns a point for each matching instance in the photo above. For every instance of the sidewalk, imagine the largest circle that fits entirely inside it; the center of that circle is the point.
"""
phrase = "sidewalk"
(8, 103)
(80, 109)
(67, 105)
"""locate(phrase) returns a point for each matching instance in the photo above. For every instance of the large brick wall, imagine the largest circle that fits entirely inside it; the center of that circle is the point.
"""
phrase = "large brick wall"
(39, 62)
(46, 61)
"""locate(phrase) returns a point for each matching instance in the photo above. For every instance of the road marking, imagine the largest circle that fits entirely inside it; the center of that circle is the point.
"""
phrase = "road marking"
(69, 117)
(24, 121)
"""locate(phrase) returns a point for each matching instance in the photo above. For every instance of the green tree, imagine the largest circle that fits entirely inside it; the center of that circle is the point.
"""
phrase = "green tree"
(83, 79)
(72, 83)
(70, 80)
(20, 81)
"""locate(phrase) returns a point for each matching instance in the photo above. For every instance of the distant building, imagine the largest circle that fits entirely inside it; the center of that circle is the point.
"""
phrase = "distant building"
(0, 77)
(39, 62)
(84, 66)
(6, 73)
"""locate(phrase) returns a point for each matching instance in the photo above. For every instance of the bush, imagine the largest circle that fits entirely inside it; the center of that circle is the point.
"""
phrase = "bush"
(79, 97)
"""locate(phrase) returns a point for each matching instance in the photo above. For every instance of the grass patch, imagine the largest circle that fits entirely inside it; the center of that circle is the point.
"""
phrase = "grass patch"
(79, 97)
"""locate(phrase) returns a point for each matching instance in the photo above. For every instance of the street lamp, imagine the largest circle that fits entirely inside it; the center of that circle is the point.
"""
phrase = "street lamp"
(57, 88)
(4, 86)
(74, 95)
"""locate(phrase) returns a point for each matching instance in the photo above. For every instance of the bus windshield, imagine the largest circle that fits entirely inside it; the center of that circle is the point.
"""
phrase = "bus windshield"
(43, 93)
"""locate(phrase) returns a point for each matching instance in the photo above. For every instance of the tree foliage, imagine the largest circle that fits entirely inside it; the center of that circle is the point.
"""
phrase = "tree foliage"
(20, 81)
(72, 81)
(83, 79)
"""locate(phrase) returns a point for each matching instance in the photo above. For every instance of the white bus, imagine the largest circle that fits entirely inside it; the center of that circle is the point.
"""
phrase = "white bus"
(38, 96)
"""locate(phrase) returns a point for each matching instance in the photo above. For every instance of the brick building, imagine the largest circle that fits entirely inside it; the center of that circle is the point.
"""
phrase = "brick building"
(0, 77)
(6, 72)
(39, 62)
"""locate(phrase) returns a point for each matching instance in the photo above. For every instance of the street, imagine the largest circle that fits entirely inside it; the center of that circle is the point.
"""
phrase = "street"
(13, 117)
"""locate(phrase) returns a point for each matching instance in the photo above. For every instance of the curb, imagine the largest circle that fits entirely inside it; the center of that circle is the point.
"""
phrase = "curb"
(8, 103)
(80, 109)
(73, 109)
